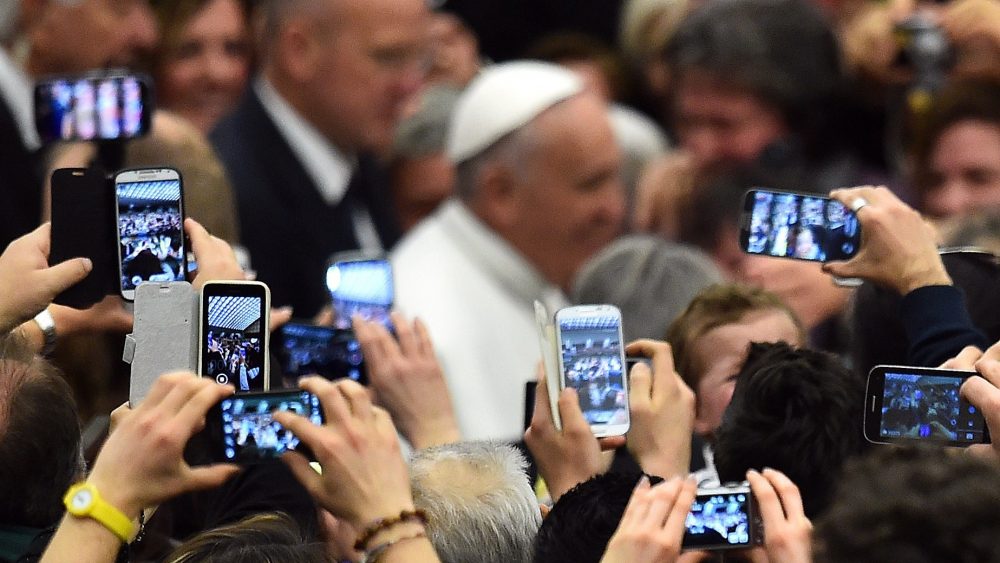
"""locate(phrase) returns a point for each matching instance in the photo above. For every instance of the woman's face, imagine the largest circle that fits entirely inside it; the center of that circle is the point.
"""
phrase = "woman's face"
(206, 66)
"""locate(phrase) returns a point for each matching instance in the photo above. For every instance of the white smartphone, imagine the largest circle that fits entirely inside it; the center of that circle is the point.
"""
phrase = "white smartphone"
(150, 217)
(235, 329)
(592, 361)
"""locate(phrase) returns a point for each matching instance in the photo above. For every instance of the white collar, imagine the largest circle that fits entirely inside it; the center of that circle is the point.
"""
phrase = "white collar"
(16, 89)
(329, 168)
(484, 246)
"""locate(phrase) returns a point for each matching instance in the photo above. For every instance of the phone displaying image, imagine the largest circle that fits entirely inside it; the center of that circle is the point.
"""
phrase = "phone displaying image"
(592, 361)
(100, 106)
(801, 226)
(306, 349)
(150, 219)
(908, 405)
(235, 318)
(362, 287)
(242, 428)
(721, 518)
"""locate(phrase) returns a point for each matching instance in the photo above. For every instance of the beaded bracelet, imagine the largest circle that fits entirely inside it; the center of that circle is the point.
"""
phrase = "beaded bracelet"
(385, 523)
(372, 555)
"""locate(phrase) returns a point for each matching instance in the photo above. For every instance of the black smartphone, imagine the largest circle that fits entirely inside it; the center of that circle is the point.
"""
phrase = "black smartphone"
(910, 405)
(307, 349)
(235, 318)
(722, 518)
(106, 105)
(241, 428)
(150, 218)
(363, 287)
(83, 226)
(801, 226)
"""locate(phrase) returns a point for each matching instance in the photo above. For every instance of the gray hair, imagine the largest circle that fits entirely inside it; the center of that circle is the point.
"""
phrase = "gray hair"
(478, 500)
(425, 132)
(513, 151)
(271, 16)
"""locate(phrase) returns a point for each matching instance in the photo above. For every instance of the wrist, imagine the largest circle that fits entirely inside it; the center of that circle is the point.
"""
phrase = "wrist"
(118, 496)
(931, 276)
(435, 433)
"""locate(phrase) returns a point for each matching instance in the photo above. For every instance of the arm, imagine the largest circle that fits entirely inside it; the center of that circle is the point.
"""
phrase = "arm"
(662, 409)
(142, 464)
(568, 458)
(408, 381)
(364, 477)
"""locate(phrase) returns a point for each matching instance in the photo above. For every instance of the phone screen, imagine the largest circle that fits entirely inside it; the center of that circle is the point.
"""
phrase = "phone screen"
(362, 287)
(921, 406)
(92, 108)
(150, 232)
(233, 351)
(249, 431)
(807, 227)
(319, 350)
(719, 520)
(593, 364)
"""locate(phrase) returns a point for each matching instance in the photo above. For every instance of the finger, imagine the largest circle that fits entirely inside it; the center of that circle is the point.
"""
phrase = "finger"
(641, 382)
(965, 360)
(304, 473)
(209, 477)
(280, 317)
(181, 391)
(405, 336)
(304, 429)
(989, 369)
(40, 238)
(983, 395)
(767, 498)
(357, 399)
(198, 235)
(663, 497)
(335, 406)
(193, 412)
(674, 526)
(423, 338)
(788, 493)
(570, 412)
(993, 352)
(611, 443)
(66, 274)
(638, 505)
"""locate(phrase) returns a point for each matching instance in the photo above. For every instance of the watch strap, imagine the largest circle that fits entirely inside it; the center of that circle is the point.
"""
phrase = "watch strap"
(100, 510)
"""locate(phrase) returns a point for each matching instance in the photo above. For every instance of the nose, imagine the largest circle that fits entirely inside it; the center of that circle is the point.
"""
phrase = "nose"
(704, 144)
(950, 198)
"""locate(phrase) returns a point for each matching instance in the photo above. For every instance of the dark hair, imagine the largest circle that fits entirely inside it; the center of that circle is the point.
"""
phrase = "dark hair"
(40, 453)
(571, 47)
(581, 524)
(781, 51)
(913, 505)
(967, 100)
(795, 410)
(261, 538)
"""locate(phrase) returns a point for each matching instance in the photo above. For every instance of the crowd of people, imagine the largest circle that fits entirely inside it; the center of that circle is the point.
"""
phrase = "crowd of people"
(503, 156)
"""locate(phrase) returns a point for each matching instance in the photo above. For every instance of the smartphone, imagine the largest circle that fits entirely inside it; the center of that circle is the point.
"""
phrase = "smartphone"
(242, 429)
(150, 219)
(106, 105)
(235, 318)
(361, 286)
(722, 518)
(911, 405)
(306, 349)
(83, 226)
(592, 361)
(801, 226)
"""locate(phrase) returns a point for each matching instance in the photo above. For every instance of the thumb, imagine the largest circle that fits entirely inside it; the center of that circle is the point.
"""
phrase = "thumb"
(641, 381)
(839, 268)
(210, 477)
(304, 473)
(66, 274)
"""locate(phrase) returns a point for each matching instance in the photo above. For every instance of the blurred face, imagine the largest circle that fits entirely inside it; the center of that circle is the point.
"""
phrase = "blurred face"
(719, 354)
(964, 170)
(91, 34)
(722, 126)
(570, 202)
(455, 51)
(370, 59)
(206, 66)
(419, 185)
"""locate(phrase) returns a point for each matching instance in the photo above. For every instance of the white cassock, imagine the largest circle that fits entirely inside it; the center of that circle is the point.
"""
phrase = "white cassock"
(475, 293)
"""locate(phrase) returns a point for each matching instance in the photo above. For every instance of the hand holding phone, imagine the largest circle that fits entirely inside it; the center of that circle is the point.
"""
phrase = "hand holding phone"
(592, 361)
(799, 226)
(912, 405)
(722, 518)
(242, 428)
(235, 321)
(150, 218)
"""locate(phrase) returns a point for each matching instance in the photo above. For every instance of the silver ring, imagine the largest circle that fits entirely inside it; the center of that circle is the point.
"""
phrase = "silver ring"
(857, 204)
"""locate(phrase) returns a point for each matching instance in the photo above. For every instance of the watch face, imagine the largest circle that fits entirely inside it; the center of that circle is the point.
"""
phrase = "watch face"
(82, 499)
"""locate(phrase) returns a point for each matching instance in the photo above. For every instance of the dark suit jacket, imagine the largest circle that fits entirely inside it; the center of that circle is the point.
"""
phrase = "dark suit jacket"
(286, 224)
(20, 182)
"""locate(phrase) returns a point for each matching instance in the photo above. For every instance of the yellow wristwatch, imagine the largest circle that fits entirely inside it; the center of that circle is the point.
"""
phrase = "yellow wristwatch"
(83, 501)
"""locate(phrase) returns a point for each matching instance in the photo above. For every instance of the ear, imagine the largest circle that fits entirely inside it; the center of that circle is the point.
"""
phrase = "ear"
(498, 198)
(298, 49)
